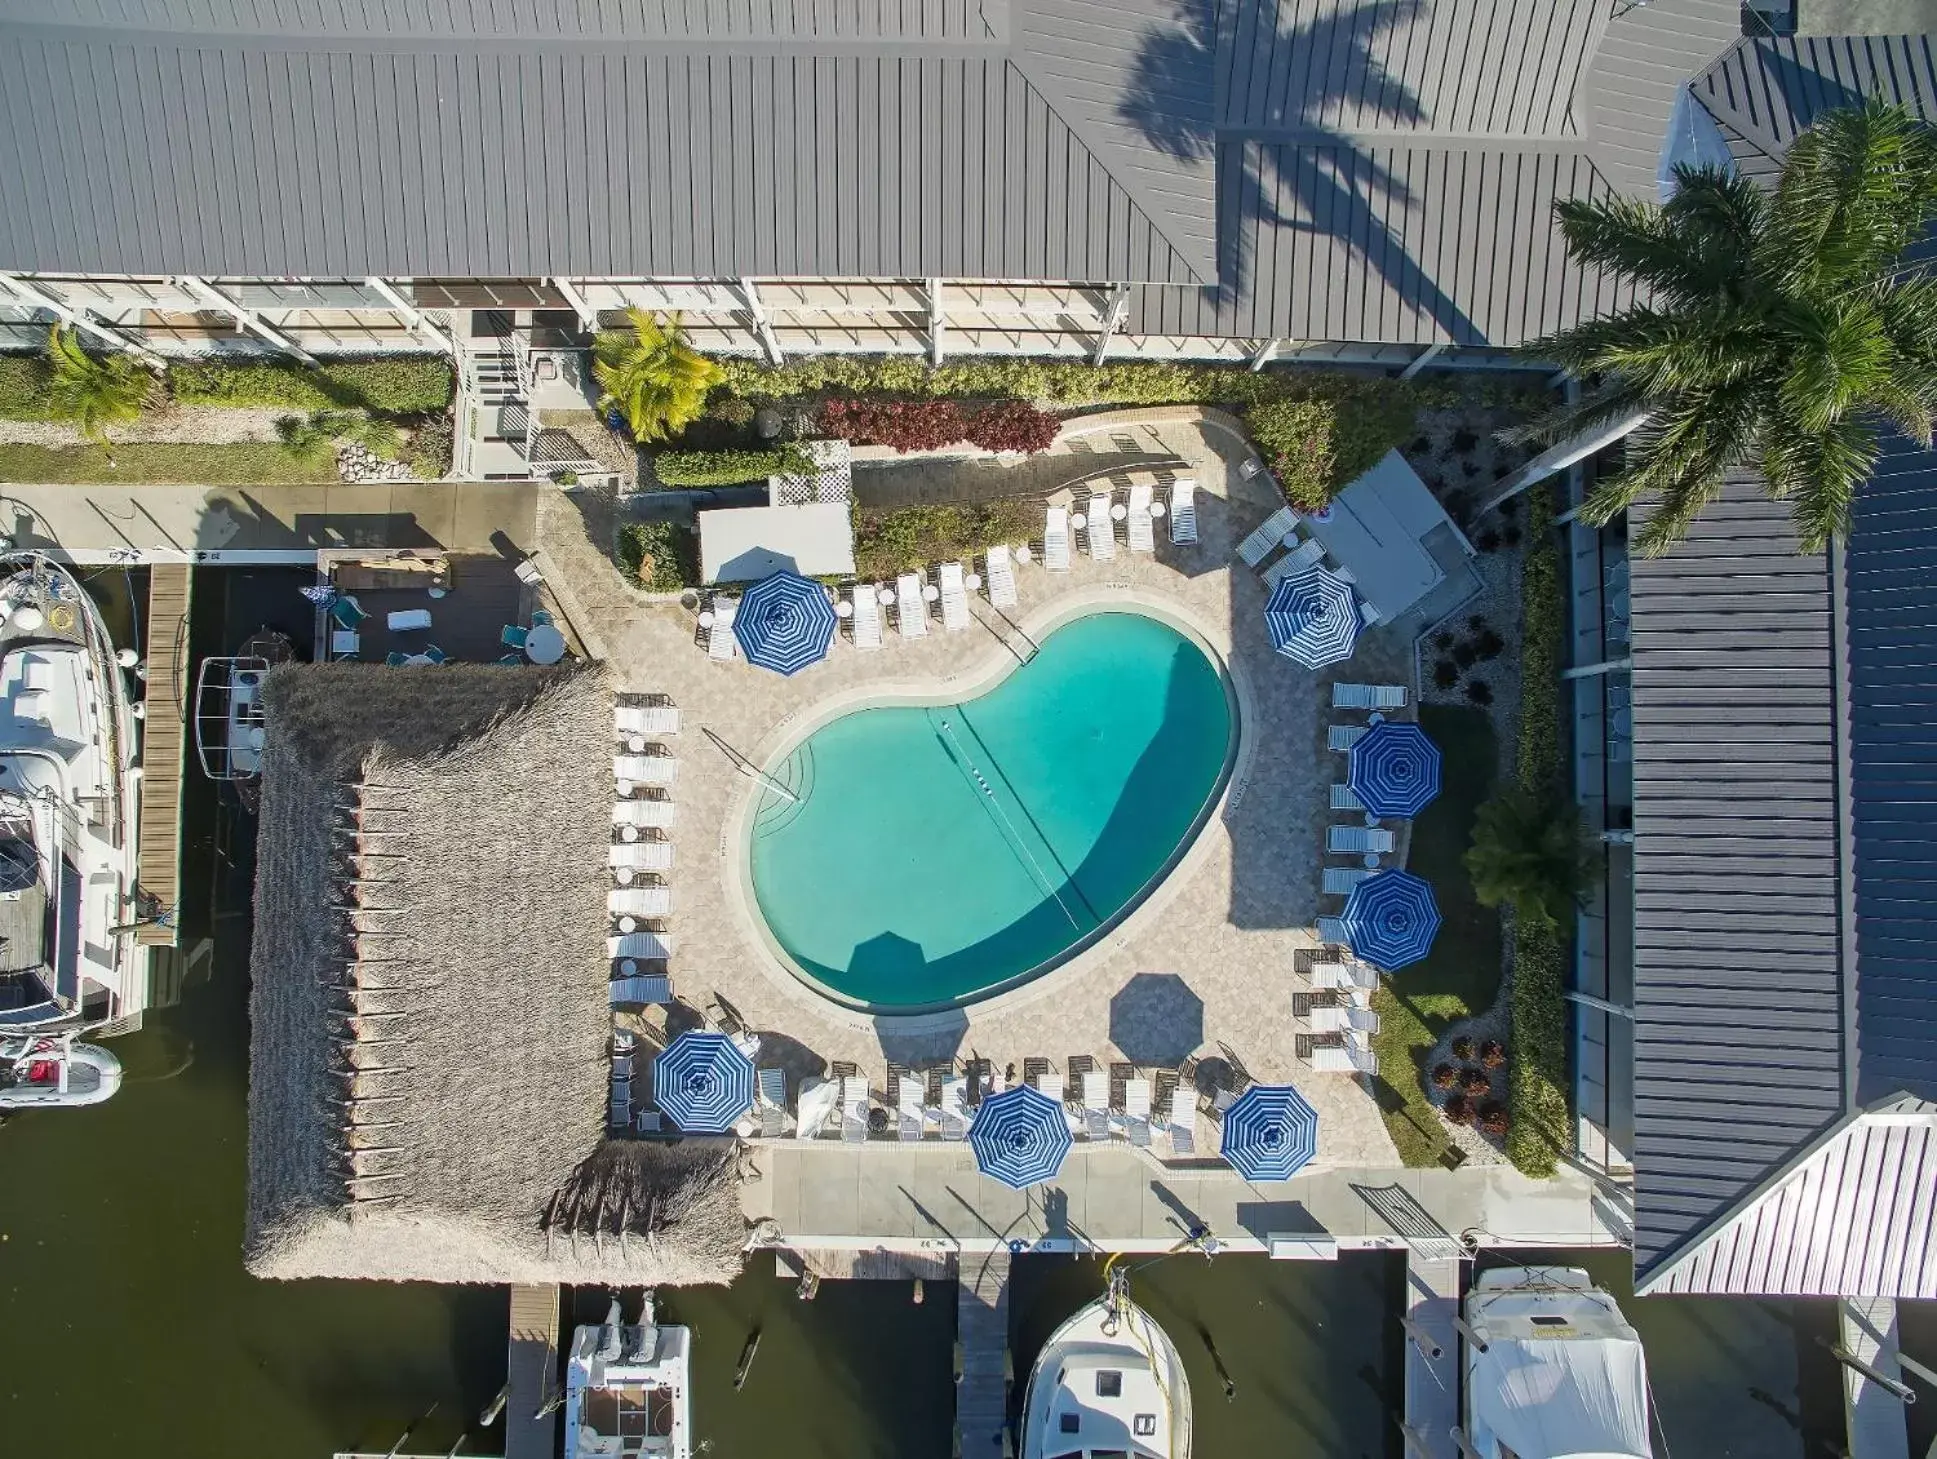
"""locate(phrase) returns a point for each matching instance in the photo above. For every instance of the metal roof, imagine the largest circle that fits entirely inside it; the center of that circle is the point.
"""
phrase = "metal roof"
(1739, 866)
(1852, 1217)
(1643, 63)
(1768, 89)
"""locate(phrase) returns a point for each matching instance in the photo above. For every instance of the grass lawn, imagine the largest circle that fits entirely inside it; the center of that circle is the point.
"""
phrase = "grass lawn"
(1462, 974)
(195, 463)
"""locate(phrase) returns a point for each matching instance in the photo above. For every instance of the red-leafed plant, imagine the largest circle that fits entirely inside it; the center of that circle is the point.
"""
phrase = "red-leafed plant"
(1475, 1082)
(1494, 1118)
(1013, 425)
(1445, 1076)
(1462, 1048)
(1458, 1109)
(901, 425)
(1493, 1053)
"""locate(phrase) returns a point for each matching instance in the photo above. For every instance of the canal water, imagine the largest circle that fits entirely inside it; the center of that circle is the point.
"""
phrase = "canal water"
(131, 1326)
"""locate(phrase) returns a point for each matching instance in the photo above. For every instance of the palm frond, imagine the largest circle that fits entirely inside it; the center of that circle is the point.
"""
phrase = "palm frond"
(93, 392)
(1822, 472)
(651, 376)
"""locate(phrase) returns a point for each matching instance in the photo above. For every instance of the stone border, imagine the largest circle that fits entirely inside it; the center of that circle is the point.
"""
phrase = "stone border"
(1015, 993)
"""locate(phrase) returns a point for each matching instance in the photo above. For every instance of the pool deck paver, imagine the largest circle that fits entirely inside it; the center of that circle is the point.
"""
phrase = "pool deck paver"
(1227, 922)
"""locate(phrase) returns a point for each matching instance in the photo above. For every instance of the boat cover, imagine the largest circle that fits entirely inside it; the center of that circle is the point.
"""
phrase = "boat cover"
(1553, 1398)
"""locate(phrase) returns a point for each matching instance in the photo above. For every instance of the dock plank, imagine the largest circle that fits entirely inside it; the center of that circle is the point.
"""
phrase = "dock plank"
(982, 1330)
(1432, 1384)
(164, 746)
(530, 1422)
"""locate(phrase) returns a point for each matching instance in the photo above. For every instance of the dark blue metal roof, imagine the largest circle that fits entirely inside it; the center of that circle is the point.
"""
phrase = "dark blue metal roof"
(1891, 597)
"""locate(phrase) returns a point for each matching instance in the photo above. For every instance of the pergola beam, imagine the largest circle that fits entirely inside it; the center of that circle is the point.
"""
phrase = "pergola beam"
(588, 317)
(762, 329)
(32, 295)
(1112, 321)
(245, 317)
(1424, 358)
(1262, 356)
(936, 322)
(419, 321)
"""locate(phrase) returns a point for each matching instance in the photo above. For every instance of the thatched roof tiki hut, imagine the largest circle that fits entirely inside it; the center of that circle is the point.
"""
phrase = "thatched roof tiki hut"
(429, 1047)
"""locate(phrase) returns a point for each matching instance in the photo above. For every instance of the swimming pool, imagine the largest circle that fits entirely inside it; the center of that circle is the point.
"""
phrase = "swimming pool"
(936, 853)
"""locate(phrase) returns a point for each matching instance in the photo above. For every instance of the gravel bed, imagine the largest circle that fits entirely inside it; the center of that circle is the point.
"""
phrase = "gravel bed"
(187, 424)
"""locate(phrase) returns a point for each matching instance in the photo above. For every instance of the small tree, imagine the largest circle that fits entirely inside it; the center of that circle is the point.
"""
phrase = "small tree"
(93, 392)
(651, 376)
(1530, 852)
(314, 438)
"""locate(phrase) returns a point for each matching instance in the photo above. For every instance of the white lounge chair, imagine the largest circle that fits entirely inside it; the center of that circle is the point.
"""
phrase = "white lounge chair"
(913, 1117)
(640, 901)
(656, 770)
(1357, 840)
(1343, 1059)
(1328, 1018)
(1368, 696)
(1304, 555)
(1329, 976)
(911, 609)
(1183, 1136)
(1099, 531)
(657, 946)
(1136, 1111)
(1270, 532)
(1183, 510)
(854, 1110)
(1143, 535)
(1338, 881)
(999, 577)
(1342, 737)
(1096, 1104)
(1370, 615)
(1331, 931)
(653, 988)
(641, 855)
(646, 815)
(720, 642)
(1055, 539)
(954, 1108)
(955, 603)
(772, 1102)
(865, 626)
(1050, 1083)
(815, 1106)
(646, 719)
(1343, 798)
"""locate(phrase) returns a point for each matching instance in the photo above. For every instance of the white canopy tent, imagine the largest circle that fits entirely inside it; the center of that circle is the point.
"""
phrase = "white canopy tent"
(745, 544)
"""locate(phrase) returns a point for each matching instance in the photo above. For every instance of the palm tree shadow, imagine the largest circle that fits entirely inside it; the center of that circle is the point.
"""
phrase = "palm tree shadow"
(1285, 155)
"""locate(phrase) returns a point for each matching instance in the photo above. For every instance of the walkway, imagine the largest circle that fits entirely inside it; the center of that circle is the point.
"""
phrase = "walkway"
(164, 733)
(530, 1424)
(982, 1333)
(887, 485)
(1432, 1383)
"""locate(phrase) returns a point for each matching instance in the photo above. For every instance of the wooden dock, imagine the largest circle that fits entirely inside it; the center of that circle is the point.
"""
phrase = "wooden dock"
(164, 745)
(982, 1338)
(530, 1418)
(1432, 1383)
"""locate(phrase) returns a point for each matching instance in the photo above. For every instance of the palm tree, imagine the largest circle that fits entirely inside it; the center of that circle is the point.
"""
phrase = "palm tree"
(651, 376)
(93, 392)
(313, 439)
(1776, 330)
(1530, 852)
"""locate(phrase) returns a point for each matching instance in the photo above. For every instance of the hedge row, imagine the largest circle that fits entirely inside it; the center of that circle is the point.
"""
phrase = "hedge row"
(726, 468)
(911, 538)
(398, 386)
(23, 386)
(1537, 1086)
(661, 557)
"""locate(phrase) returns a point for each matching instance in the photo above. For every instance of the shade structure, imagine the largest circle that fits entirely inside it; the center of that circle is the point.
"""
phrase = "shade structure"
(1270, 1133)
(1391, 919)
(1395, 769)
(785, 622)
(1019, 1137)
(1313, 617)
(702, 1083)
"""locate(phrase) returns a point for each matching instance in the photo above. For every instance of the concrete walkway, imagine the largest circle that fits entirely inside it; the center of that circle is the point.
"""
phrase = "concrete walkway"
(267, 525)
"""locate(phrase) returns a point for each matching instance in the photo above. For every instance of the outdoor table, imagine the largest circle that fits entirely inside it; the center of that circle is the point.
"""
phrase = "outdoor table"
(1371, 861)
(1023, 554)
(1119, 512)
(885, 596)
(1078, 521)
(28, 619)
(408, 620)
(636, 744)
(628, 966)
(930, 593)
(544, 644)
(1157, 509)
(744, 1129)
(706, 619)
(628, 834)
(628, 925)
(844, 609)
(438, 592)
(622, 875)
(625, 789)
(973, 582)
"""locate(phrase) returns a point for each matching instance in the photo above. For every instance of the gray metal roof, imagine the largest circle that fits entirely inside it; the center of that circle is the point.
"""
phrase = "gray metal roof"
(1764, 91)
(1642, 64)
(1740, 936)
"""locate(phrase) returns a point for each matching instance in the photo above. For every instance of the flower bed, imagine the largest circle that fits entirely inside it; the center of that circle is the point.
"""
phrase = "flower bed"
(661, 557)
(913, 539)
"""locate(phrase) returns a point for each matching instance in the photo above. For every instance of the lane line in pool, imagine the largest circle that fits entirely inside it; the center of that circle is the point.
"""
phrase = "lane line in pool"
(1022, 846)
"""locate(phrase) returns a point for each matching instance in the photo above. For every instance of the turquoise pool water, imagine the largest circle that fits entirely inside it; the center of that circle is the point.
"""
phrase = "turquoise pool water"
(938, 852)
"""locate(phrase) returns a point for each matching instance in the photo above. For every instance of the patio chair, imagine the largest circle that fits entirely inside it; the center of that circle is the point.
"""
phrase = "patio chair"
(1136, 1111)
(651, 989)
(1096, 1104)
(655, 946)
(864, 627)
(646, 815)
(1342, 737)
(1368, 696)
(1370, 615)
(515, 661)
(1358, 840)
(1331, 975)
(1183, 511)
(435, 654)
(640, 855)
(912, 1120)
(720, 642)
(640, 901)
(1143, 536)
(654, 770)
(1331, 929)
(1270, 532)
(1343, 798)
(999, 578)
(955, 603)
(648, 1122)
(911, 608)
(954, 1108)
(346, 612)
(396, 660)
(1099, 531)
(1304, 555)
(1338, 881)
(854, 1110)
(1055, 539)
(772, 1084)
(540, 618)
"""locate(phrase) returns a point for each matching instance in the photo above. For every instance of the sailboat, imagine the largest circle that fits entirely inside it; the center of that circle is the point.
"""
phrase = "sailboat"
(1553, 1371)
(1108, 1382)
(627, 1390)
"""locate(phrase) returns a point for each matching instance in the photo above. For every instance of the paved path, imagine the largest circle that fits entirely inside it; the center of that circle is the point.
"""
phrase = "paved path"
(271, 524)
(893, 484)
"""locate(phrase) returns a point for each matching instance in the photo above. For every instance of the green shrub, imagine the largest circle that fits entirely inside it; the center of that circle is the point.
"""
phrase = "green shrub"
(725, 468)
(911, 538)
(661, 557)
(23, 386)
(432, 441)
(394, 386)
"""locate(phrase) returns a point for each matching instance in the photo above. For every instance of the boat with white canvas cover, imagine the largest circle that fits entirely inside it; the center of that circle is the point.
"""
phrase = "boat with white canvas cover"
(67, 808)
(50, 1071)
(1552, 1368)
(627, 1390)
(1108, 1382)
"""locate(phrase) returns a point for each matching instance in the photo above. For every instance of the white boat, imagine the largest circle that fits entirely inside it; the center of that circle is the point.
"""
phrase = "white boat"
(1553, 1371)
(229, 729)
(50, 1070)
(67, 808)
(627, 1391)
(1108, 1382)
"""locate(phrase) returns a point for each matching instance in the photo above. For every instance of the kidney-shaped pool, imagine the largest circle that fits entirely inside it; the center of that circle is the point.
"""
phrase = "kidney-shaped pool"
(927, 855)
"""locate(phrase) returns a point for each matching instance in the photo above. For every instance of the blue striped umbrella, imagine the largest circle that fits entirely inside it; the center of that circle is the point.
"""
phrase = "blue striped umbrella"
(784, 623)
(1313, 617)
(1020, 1137)
(1391, 919)
(1395, 769)
(1270, 1133)
(702, 1083)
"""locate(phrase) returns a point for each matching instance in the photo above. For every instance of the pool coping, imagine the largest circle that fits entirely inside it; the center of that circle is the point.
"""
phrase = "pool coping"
(1027, 987)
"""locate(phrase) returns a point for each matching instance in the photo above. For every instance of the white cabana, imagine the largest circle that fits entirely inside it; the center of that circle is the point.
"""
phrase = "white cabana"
(745, 544)
(1378, 529)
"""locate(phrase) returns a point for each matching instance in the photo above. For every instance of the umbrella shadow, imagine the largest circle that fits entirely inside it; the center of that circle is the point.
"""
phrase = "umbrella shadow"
(1156, 1019)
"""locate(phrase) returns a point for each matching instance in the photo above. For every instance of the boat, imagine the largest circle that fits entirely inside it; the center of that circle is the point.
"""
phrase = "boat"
(1108, 1382)
(50, 1070)
(626, 1389)
(1552, 1369)
(68, 897)
(229, 733)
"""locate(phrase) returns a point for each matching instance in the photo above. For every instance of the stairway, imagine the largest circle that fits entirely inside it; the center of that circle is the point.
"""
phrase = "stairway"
(982, 1338)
